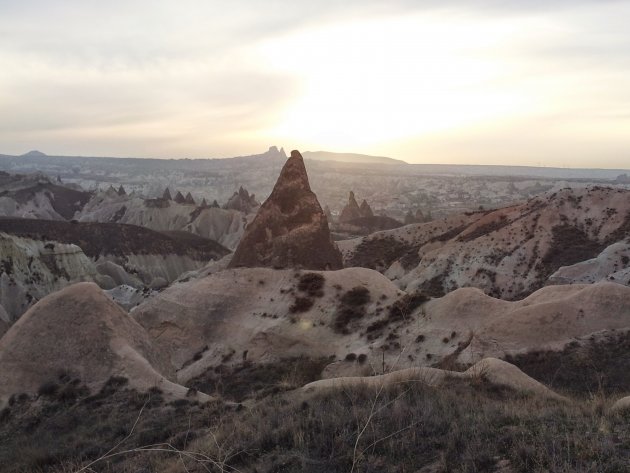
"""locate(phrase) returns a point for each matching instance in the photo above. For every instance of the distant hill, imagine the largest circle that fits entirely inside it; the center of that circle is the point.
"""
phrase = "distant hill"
(34, 153)
(349, 157)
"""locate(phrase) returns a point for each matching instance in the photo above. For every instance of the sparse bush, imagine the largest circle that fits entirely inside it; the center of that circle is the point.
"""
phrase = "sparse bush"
(351, 357)
(301, 304)
(357, 296)
(312, 284)
(404, 306)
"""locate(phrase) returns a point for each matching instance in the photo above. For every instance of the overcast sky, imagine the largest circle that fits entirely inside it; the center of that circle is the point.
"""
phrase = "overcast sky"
(468, 81)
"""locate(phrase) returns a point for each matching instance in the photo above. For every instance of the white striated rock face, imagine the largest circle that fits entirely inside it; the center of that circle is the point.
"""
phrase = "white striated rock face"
(32, 269)
(508, 252)
(223, 226)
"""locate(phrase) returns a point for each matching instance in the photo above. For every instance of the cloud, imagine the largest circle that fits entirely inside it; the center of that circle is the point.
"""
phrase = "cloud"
(188, 78)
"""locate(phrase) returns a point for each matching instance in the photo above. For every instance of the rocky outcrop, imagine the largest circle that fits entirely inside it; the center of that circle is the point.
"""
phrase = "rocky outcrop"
(189, 199)
(290, 229)
(36, 196)
(242, 201)
(39, 257)
(79, 332)
(366, 210)
(351, 211)
(167, 194)
(179, 198)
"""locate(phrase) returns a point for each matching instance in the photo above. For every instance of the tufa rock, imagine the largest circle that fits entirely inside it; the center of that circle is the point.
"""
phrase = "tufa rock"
(290, 229)
(242, 201)
(179, 198)
(365, 209)
(189, 199)
(351, 211)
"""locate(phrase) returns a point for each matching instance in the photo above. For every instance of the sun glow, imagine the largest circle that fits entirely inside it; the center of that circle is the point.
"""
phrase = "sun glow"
(373, 82)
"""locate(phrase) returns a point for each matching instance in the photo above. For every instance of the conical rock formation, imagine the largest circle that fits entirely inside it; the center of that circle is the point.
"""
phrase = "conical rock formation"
(351, 211)
(179, 198)
(365, 209)
(290, 229)
(189, 199)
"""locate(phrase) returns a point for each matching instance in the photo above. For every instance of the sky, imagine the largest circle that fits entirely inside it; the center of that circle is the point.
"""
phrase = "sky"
(542, 83)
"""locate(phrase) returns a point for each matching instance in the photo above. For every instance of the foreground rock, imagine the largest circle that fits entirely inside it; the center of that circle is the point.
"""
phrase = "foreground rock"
(361, 320)
(290, 229)
(496, 372)
(79, 333)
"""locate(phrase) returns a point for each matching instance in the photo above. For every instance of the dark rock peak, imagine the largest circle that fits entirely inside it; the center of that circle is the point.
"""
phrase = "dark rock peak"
(242, 201)
(179, 198)
(351, 211)
(121, 190)
(189, 199)
(167, 194)
(365, 209)
(290, 229)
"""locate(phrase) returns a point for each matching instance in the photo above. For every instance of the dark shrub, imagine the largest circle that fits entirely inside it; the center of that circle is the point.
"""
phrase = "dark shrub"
(49, 388)
(351, 357)
(301, 304)
(312, 284)
(404, 306)
(362, 358)
(357, 296)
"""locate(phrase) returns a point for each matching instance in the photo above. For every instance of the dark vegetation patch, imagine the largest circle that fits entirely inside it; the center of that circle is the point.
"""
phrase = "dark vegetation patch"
(569, 245)
(403, 307)
(460, 427)
(65, 422)
(622, 232)
(380, 253)
(485, 229)
(434, 287)
(585, 368)
(351, 307)
(254, 381)
(312, 284)
(301, 304)
(118, 239)
(456, 428)
(375, 223)
(449, 234)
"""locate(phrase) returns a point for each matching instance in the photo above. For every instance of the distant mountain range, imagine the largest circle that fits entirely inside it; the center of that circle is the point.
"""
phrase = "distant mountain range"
(37, 160)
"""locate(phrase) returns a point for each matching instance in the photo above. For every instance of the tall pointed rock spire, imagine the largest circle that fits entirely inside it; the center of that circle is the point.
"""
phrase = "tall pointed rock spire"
(290, 229)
